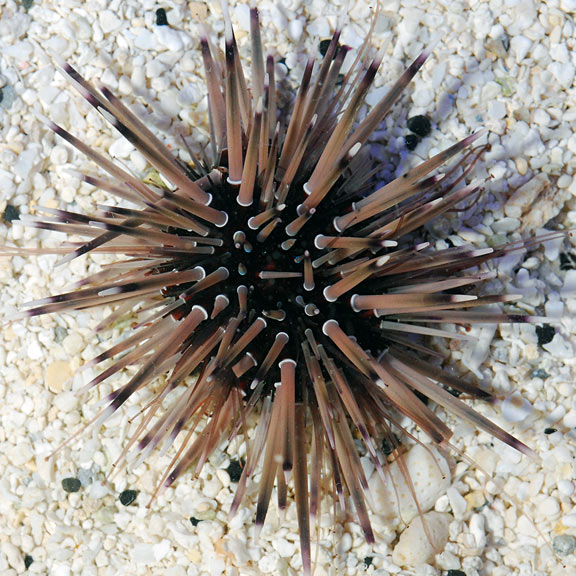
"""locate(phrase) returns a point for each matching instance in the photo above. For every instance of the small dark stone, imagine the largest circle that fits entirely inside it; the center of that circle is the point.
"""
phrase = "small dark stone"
(28, 561)
(411, 141)
(545, 334)
(368, 561)
(567, 261)
(539, 373)
(27, 4)
(161, 19)
(564, 544)
(127, 497)
(194, 521)
(420, 125)
(389, 445)
(235, 470)
(324, 46)
(59, 334)
(11, 213)
(455, 573)
(7, 96)
(550, 430)
(71, 484)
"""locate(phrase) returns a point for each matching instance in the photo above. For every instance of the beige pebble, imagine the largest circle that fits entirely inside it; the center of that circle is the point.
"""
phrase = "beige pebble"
(475, 500)
(198, 10)
(521, 166)
(56, 374)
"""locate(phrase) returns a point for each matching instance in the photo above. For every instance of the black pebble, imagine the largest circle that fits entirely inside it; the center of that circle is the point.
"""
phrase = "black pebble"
(389, 445)
(545, 334)
(194, 521)
(368, 561)
(420, 125)
(455, 573)
(127, 497)
(411, 141)
(11, 213)
(324, 46)
(28, 561)
(235, 470)
(567, 261)
(71, 484)
(161, 19)
(550, 430)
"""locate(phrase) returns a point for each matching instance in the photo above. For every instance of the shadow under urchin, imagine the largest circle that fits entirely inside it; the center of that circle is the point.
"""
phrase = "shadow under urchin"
(283, 280)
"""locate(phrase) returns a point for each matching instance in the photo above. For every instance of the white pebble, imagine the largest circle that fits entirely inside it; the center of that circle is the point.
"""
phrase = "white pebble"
(541, 117)
(560, 347)
(238, 548)
(319, 27)
(423, 97)
(564, 181)
(284, 548)
(515, 408)
(569, 287)
(418, 545)
(569, 521)
(242, 13)
(570, 419)
(145, 40)
(26, 161)
(520, 45)
(478, 530)
(169, 38)
(476, 353)
(564, 73)
(566, 487)
(505, 225)
(295, 30)
(176, 571)
(548, 507)
(496, 110)
(66, 401)
(34, 350)
(73, 344)
(457, 502)
(98, 490)
(430, 476)
(554, 308)
(59, 155)
(109, 21)
(189, 95)
(142, 554)
(120, 148)
(13, 556)
(161, 550)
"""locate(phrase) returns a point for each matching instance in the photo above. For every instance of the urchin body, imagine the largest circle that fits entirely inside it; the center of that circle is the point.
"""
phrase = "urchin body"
(278, 277)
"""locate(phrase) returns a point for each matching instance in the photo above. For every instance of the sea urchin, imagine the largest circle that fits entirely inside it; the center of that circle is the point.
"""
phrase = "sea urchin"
(273, 275)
